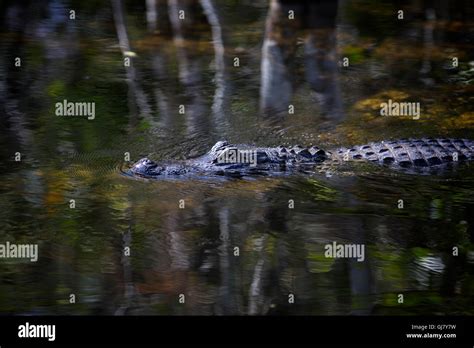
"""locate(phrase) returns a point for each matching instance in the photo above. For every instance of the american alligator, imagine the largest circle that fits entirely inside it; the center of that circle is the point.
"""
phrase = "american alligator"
(224, 159)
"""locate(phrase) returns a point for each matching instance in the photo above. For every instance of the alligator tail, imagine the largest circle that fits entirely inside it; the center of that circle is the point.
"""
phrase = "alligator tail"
(407, 153)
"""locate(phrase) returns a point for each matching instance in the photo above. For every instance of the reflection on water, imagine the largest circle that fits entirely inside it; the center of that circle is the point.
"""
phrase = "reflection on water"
(170, 88)
(317, 22)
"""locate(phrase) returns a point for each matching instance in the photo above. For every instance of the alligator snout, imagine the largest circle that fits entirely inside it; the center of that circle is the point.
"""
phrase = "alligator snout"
(146, 167)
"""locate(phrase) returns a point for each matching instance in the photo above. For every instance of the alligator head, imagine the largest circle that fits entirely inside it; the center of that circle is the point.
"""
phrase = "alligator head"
(146, 167)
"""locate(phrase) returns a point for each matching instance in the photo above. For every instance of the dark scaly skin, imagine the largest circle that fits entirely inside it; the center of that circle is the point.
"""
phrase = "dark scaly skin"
(411, 153)
(415, 154)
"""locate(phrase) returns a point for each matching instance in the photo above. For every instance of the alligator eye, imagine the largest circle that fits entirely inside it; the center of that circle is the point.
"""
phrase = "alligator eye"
(150, 163)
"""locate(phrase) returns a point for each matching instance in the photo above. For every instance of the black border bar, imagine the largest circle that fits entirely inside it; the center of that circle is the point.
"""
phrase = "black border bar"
(138, 330)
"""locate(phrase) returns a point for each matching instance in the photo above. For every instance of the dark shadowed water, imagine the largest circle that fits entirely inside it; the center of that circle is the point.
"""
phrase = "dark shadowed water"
(240, 71)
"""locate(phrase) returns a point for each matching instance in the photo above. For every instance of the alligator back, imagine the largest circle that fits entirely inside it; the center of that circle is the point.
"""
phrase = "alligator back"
(410, 153)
